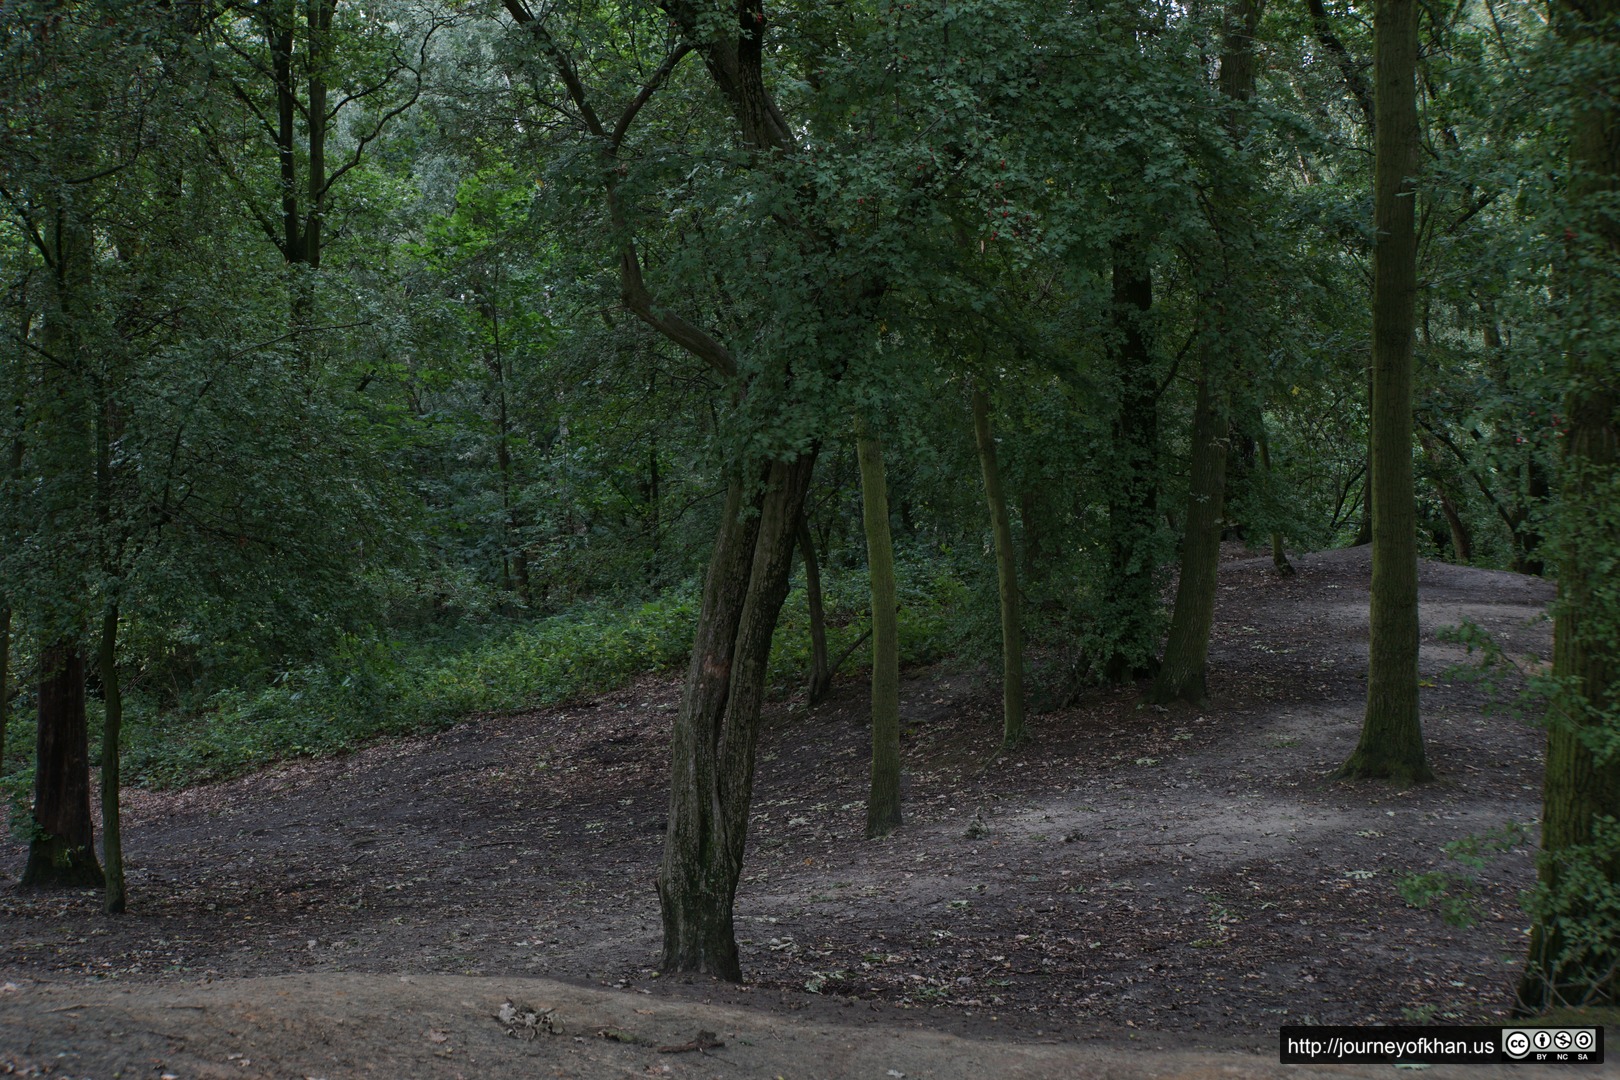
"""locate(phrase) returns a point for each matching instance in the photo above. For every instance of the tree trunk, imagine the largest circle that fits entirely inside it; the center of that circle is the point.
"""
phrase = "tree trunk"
(1526, 528)
(110, 544)
(1130, 609)
(717, 728)
(1182, 675)
(62, 853)
(112, 834)
(5, 680)
(1462, 540)
(1391, 745)
(883, 800)
(1012, 624)
(820, 680)
(14, 478)
(1279, 556)
(1575, 939)
(1183, 672)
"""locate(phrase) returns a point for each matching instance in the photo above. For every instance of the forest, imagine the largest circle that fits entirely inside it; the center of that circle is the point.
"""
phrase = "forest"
(376, 371)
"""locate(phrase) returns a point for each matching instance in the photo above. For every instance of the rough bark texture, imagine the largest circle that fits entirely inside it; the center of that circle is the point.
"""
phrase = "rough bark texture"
(1575, 941)
(1391, 744)
(1012, 623)
(62, 853)
(820, 680)
(1182, 674)
(883, 799)
(712, 771)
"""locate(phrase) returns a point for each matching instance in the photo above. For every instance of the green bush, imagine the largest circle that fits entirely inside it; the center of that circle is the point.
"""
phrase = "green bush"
(371, 688)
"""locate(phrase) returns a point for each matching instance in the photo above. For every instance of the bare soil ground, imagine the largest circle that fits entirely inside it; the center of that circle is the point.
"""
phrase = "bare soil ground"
(1139, 891)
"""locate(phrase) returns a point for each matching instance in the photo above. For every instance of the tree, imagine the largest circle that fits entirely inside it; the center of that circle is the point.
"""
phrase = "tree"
(1574, 956)
(1226, 350)
(1391, 744)
(1012, 622)
(716, 729)
(883, 801)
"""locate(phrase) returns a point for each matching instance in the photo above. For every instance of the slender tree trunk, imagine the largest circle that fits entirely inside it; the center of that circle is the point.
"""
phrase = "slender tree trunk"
(1523, 515)
(62, 853)
(1130, 611)
(14, 478)
(1279, 556)
(820, 670)
(1186, 653)
(1391, 744)
(1575, 940)
(110, 545)
(1527, 529)
(319, 53)
(883, 800)
(112, 833)
(1012, 622)
(5, 680)
(717, 729)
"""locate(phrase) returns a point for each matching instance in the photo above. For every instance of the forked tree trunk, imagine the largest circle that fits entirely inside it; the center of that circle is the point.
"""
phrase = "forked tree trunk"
(1391, 745)
(820, 680)
(1575, 940)
(717, 728)
(1012, 620)
(62, 853)
(883, 798)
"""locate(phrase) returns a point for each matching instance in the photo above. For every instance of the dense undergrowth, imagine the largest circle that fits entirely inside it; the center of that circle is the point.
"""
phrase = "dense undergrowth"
(370, 689)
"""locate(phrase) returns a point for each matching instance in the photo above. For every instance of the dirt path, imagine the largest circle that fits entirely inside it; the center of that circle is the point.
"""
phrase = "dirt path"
(1136, 877)
(451, 1027)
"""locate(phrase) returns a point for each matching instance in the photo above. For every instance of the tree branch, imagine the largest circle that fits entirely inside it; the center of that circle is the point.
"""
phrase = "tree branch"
(1354, 80)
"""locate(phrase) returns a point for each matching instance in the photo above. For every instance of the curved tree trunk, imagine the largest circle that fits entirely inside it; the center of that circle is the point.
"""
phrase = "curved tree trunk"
(1012, 624)
(883, 800)
(1575, 940)
(717, 728)
(1391, 744)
